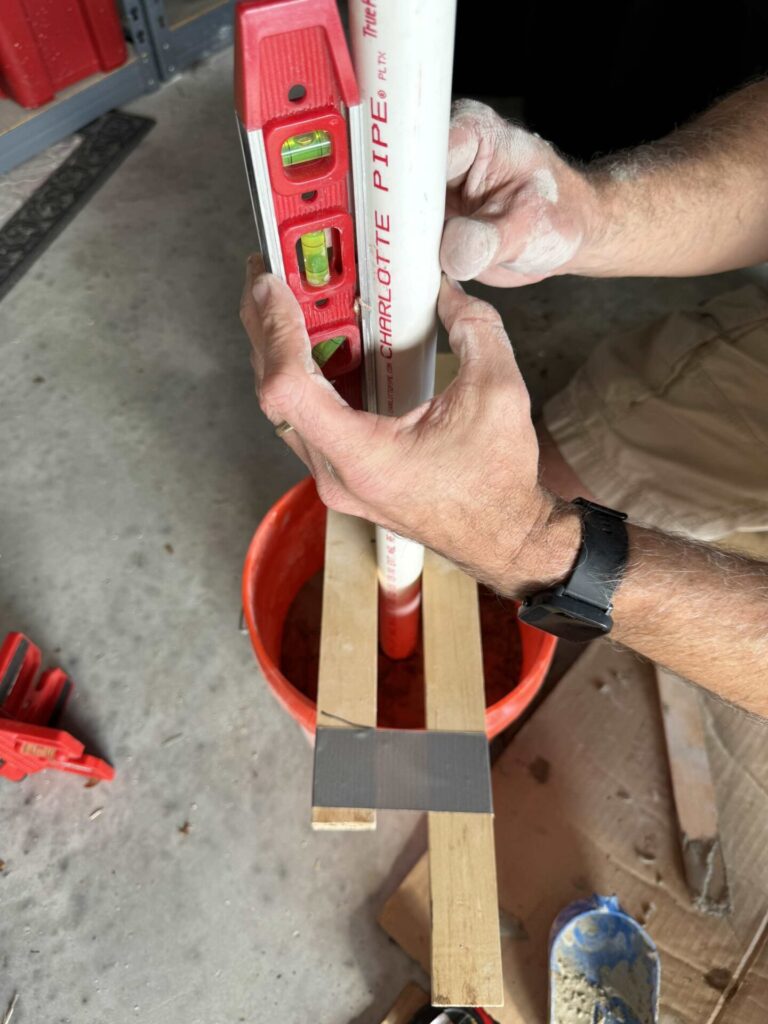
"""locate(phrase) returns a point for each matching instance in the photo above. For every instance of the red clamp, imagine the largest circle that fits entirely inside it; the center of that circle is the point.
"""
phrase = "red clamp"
(29, 710)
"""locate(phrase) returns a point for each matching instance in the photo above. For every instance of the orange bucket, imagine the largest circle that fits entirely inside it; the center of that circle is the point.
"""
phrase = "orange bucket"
(286, 551)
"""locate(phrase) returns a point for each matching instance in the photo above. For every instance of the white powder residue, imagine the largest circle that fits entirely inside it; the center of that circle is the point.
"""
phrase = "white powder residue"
(479, 243)
(510, 141)
(495, 206)
(520, 145)
(464, 111)
(545, 184)
(546, 251)
(460, 157)
(627, 171)
(490, 151)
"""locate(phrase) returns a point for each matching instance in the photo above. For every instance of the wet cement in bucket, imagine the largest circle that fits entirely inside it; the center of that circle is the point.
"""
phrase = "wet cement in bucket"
(401, 683)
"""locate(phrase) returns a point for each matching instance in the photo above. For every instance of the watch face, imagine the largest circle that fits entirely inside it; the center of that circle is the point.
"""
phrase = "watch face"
(552, 619)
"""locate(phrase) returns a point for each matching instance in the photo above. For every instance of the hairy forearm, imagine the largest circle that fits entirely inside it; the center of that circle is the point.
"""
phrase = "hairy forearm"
(696, 202)
(700, 611)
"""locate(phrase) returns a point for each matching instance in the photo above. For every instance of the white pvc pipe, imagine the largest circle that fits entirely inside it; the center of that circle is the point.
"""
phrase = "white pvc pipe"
(403, 56)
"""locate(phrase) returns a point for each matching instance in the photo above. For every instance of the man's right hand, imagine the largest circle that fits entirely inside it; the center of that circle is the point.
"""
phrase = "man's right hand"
(516, 212)
(692, 203)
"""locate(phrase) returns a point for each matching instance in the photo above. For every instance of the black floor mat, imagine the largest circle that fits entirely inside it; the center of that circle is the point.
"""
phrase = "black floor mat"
(105, 144)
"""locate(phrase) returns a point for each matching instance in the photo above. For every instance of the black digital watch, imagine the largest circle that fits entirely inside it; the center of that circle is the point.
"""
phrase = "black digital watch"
(580, 608)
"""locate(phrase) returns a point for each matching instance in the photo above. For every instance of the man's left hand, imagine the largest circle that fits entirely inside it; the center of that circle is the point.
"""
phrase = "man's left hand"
(458, 474)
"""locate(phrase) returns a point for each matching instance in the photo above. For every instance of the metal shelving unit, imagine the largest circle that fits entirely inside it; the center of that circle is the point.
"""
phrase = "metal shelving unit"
(24, 133)
(164, 38)
(184, 32)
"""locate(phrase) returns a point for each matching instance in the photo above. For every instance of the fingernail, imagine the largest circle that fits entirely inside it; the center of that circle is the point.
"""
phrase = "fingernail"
(474, 245)
(260, 289)
(460, 156)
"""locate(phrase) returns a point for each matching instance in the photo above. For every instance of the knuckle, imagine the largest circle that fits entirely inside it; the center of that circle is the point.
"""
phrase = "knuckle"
(331, 494)
(282, 328)
(470, 109)
(273, 321)
(476, 311)
(276, 391)
(246, 315)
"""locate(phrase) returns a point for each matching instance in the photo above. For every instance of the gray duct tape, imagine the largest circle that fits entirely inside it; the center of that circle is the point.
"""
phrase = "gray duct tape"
(402, 770)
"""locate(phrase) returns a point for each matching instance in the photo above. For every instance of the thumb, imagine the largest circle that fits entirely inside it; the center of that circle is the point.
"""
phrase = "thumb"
(522, 235)
(470, 245)
(293, 388)
(281, 325)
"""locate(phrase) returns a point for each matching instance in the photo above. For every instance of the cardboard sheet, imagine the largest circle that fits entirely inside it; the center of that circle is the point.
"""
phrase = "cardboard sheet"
(583, 804)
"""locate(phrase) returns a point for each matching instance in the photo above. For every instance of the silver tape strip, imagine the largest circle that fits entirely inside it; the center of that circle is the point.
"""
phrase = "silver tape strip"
(401, 769)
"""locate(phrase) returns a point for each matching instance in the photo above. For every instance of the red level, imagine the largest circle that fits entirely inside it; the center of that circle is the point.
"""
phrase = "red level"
(295, 89)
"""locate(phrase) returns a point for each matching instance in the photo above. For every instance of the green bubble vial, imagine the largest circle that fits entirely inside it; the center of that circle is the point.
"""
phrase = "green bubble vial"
(302, 149)
(314, 252)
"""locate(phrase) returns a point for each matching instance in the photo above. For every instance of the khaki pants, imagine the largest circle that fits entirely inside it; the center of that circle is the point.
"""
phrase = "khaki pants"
(669, 422)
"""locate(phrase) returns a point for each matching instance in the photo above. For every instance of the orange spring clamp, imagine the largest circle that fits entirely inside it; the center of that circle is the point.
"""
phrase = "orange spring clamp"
(29, 711)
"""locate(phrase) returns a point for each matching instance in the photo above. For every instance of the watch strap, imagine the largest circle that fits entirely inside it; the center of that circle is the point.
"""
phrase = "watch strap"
(602, 556)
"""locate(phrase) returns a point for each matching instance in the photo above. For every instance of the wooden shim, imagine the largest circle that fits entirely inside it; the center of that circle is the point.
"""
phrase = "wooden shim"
(410, 1000)
(349, 637)
(346, 688)
(466, 944)
(343, 819)
(694, 792)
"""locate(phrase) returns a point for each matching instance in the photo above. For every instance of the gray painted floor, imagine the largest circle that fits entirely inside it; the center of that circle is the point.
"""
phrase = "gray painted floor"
(135, 466)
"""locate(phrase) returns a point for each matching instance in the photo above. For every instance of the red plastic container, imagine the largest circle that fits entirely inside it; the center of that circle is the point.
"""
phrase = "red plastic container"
(46, 45)
(286, 551)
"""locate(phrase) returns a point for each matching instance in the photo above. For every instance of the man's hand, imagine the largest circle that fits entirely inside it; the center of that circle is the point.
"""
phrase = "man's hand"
(691, 203)
(516, 212)
(459, 474)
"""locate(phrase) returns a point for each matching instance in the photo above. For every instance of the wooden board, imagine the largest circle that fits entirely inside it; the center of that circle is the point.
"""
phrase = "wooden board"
(179, 13)
(347, 674)
(466, 951)
(694, 791)
(583, 804)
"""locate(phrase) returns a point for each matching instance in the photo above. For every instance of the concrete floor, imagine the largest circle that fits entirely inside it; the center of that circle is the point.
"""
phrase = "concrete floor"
(135, 466)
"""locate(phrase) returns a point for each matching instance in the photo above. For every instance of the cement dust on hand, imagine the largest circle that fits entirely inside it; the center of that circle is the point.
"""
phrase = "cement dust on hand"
(545, 251)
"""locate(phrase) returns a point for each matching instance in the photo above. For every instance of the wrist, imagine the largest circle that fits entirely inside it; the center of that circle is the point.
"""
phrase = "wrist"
(595, 256)
(549, 552)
